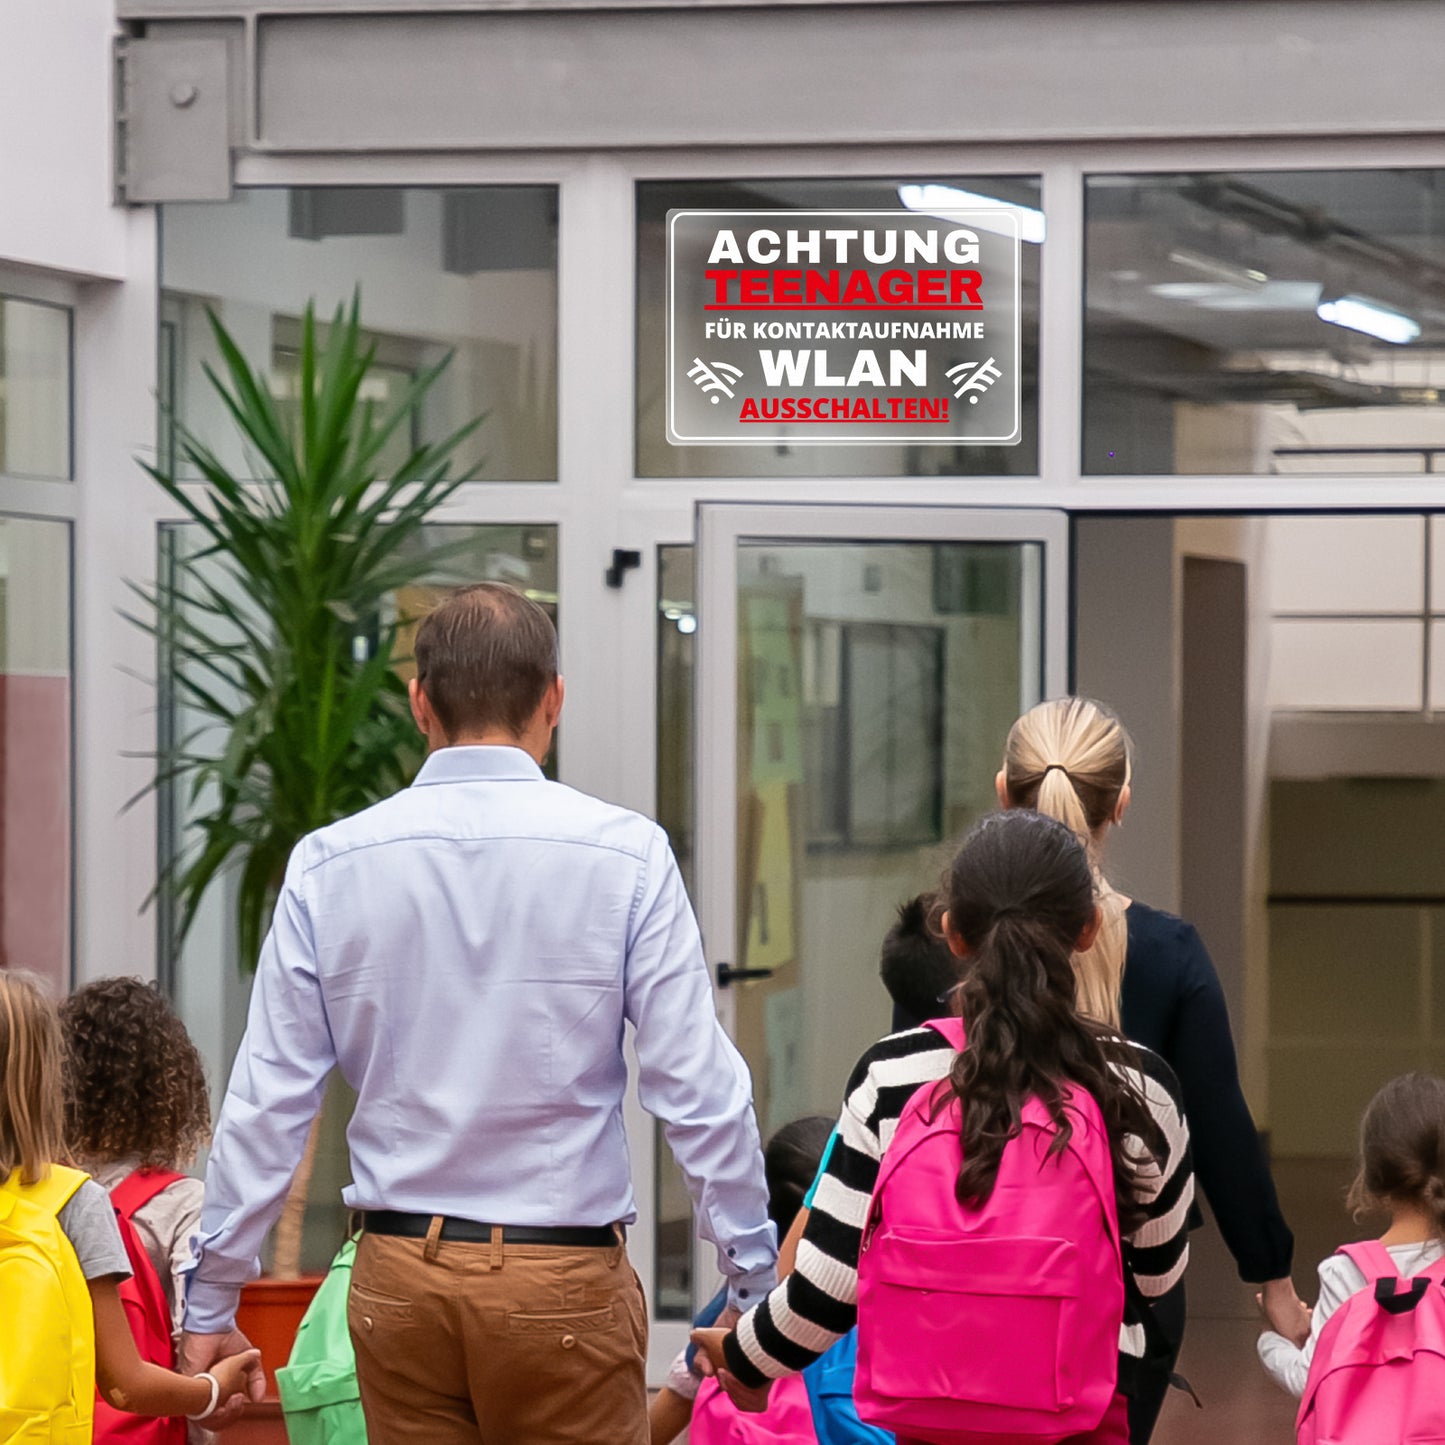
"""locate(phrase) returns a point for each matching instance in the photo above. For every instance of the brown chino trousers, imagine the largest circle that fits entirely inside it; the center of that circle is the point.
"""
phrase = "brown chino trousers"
(493, 1344)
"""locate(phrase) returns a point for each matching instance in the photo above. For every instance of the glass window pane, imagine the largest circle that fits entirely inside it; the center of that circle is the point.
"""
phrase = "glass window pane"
(877, 682)
(35, 759)
(210, 985)
(470, 273)
(1370, 665)
(34, 389)
(657, 457)
(1264, 322)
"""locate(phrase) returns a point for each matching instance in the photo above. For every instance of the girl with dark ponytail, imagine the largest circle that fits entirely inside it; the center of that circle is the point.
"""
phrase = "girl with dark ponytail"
(1020, 900)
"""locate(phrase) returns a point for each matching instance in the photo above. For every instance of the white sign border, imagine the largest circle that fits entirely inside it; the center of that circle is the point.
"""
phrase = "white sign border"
(674, 438)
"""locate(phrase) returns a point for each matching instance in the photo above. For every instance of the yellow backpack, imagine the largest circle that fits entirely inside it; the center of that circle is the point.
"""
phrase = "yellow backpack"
(47, 1329)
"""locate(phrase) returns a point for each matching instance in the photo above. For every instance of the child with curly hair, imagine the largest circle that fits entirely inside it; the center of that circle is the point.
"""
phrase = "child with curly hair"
(136, 1099)
(68, 1330)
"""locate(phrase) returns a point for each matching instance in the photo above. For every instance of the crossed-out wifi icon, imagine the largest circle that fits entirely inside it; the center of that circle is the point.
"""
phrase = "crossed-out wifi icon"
(718, 378)
(973, 376)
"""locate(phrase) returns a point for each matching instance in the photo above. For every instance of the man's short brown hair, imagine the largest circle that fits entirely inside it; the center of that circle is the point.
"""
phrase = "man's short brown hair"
(485, 659)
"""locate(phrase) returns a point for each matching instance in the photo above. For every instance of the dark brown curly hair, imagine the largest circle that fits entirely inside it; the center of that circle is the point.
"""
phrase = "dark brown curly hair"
(135, 1087)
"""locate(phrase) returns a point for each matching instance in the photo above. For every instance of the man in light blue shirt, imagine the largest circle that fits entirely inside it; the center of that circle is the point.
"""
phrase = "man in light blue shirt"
(468, 953)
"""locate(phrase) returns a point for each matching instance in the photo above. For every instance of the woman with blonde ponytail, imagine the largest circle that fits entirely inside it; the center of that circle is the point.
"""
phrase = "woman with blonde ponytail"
(1149, 975)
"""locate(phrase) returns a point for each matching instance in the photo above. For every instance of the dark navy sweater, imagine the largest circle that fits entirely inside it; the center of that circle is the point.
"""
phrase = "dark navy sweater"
(1172, 1002)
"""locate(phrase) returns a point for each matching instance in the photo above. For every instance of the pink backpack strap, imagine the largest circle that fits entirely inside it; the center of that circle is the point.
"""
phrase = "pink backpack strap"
(1393, 1293)
(1372, 1259)
(951, 1029)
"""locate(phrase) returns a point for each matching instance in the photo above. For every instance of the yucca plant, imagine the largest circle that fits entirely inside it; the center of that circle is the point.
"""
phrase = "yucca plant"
(278, 634)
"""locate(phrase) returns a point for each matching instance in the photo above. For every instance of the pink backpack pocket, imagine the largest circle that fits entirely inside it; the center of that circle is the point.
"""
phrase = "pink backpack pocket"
(788, 1420)
(975, 1323)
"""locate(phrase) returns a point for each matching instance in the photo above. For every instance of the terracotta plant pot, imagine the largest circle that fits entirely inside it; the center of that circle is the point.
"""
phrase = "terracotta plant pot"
(270, 1314)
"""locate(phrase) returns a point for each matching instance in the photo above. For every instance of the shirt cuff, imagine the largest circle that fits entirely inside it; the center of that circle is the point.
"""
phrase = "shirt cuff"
(747, 1290)
(211, 1308)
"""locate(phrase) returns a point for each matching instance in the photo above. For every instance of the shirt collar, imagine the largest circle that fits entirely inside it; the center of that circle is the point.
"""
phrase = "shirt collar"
(491, 763)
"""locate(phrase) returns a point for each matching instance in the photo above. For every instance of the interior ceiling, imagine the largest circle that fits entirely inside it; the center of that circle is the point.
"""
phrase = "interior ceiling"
(1374, 234)
(1173, 264)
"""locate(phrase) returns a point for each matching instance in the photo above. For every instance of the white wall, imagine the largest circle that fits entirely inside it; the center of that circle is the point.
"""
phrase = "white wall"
(55, 118)
(1127, 653)
(61, 239)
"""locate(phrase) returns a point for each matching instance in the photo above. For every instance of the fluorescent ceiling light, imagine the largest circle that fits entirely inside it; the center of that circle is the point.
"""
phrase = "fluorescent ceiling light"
(1188, 290)
(933, 198)
(1358, 314)
(1216, 296)
(1212, 266)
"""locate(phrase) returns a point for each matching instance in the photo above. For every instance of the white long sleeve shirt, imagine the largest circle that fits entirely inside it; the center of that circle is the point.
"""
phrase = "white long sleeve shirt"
(1340, 1277)
(468, 953)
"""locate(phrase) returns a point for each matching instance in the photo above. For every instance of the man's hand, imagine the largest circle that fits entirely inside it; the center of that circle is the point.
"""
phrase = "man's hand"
(201, 1352)
(1287, 1314)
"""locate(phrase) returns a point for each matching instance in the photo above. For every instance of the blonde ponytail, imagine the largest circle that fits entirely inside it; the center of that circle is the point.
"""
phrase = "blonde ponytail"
(1070, 759)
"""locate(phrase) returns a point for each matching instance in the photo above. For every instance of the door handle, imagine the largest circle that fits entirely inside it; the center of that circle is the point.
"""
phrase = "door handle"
(727, 975)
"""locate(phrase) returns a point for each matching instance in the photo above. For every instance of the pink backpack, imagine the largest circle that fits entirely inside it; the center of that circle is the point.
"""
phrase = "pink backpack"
(1000, 1321)
(788, 1419)
(1378, 1372)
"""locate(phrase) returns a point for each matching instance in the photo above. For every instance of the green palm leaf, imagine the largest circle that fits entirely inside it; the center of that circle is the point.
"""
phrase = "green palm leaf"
(295, 723)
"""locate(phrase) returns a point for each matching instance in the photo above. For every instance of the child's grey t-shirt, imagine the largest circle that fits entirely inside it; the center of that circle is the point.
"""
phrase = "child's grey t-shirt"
(89, 1224)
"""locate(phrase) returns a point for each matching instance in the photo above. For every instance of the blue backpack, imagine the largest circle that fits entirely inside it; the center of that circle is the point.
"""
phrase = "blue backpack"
(830, 1393)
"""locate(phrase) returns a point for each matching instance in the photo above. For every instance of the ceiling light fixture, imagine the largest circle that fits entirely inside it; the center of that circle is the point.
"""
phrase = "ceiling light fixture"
(931, 199)
(1358, 314)
(1246, 276)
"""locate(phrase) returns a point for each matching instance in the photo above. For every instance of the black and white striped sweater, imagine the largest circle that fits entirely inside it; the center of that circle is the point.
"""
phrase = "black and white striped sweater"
(818, 1303)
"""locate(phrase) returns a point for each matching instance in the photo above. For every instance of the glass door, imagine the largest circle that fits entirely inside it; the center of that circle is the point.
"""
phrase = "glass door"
(859, 668)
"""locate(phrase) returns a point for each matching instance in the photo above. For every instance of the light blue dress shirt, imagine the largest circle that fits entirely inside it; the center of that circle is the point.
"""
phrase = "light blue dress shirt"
(467, 952)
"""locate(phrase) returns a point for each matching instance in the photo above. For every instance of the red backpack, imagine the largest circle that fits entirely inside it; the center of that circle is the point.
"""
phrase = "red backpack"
(147, 1315)
(1378, 1371)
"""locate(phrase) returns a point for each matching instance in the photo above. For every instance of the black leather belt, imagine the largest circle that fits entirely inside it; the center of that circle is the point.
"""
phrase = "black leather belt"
(468, 1231)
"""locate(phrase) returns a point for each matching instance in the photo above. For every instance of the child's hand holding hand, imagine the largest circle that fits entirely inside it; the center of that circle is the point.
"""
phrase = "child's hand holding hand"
(711, 1361)
(239, 1378)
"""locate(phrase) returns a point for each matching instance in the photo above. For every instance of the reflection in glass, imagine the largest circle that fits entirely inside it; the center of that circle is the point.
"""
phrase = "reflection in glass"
(34, 389)
(876, 684)
(1265, 322)
(35, 748)
(471, 272)
(210, 987)
(656, 457)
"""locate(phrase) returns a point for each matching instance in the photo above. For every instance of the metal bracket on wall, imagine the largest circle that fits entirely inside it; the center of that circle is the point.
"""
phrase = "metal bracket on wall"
(172, 121)
(622, 563)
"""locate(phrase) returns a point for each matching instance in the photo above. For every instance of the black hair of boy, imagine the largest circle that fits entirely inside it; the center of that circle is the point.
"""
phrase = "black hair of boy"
(790, 1164)
(135, 1086)
(917, 967)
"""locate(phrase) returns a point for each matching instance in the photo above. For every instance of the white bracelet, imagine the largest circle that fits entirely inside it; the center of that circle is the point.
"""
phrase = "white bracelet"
(215, 1396)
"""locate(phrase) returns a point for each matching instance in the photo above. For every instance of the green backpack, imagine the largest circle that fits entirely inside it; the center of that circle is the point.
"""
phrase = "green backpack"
(319, 1395)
